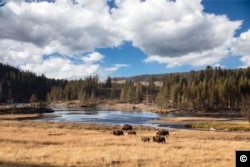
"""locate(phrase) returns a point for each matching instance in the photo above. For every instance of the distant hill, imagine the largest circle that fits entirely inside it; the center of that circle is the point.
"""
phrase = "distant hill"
(146, 77)
(160, 77)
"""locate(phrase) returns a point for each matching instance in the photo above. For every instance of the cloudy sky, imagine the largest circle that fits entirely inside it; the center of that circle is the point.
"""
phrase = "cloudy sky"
(72, 39)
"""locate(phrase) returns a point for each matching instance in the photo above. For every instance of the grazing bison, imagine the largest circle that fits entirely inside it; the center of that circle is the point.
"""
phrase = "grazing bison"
(118, 132)
(127, 127)
(162, 133)
(159, 139)
(144, 139)
(132, 132)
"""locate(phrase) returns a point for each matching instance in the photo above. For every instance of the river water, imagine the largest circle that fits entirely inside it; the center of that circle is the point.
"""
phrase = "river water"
(114, 117)
(92, 115)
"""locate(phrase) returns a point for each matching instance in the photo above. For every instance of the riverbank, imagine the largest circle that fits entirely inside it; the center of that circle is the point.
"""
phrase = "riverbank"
(114, 105)
(50, 144)
(27, 109)
(207, 123)
(19, 117)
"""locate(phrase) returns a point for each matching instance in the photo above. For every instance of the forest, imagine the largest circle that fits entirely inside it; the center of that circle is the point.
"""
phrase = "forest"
(18, 86)
(211, 89)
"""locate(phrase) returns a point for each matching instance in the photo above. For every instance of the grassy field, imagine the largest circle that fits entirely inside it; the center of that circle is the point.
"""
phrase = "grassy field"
(207, 123)
(30, 143)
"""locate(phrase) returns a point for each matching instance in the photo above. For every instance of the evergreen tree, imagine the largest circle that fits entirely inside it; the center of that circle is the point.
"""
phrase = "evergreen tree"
(33, 98)
(108, 83)
(138, 93)
(123, 95)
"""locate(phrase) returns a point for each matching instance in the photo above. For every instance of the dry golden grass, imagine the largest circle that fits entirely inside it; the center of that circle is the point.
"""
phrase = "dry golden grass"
(30, 143)
(19, 116)
(191, 119)
(228, 124)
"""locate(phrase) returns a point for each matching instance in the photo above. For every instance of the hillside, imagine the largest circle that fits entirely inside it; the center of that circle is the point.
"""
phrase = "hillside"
(19, 86)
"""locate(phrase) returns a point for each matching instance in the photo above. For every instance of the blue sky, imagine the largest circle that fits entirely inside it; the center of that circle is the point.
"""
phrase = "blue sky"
(72, 39)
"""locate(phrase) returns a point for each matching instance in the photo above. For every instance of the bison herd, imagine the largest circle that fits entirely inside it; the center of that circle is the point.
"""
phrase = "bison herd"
(159, 137)
(118, 132)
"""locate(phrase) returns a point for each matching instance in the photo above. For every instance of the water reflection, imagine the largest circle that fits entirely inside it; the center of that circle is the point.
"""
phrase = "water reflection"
(92, 115)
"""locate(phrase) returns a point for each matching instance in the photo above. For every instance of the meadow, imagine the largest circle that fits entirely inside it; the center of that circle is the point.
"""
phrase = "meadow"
(50, 144)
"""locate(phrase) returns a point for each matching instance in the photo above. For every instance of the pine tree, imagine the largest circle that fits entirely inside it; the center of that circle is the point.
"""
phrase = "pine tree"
(123, 95)
(33, 98)
(138, 93)
(246, 108)
(108, 83)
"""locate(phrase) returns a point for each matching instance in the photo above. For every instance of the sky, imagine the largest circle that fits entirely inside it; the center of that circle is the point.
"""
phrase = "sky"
(72, 39)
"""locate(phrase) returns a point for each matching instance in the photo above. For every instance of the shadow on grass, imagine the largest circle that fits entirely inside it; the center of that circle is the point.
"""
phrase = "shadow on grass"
(33, 142)
(23, 164)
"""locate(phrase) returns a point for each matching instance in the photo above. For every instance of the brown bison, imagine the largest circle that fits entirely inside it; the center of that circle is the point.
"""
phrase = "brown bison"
(159, 139)
(118, 133)
(127, 127)
(162, 132)
(144, 139)
(132, 132)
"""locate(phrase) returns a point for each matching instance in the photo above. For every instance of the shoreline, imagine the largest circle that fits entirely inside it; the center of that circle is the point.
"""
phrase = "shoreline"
(27, 109)
(113, 105)
(205, 121)
(177, 123)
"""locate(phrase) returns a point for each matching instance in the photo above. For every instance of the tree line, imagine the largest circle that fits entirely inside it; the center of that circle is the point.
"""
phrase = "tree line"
(211, 89)
(18, 86)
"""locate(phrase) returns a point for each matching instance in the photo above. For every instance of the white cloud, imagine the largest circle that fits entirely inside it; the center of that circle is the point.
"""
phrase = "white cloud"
(219, 65)
(240, 47)
(18, 53)
(115, 67)
(204, 58)
(62, 68)
(93, 57)
(60, 26)
(175, 31)
(31, 30)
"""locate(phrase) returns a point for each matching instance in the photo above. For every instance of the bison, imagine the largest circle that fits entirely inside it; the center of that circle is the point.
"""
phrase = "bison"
(144, 139)
(162, 132)
(132, 132)
(127, 127)
(159, 139)
(118, 132)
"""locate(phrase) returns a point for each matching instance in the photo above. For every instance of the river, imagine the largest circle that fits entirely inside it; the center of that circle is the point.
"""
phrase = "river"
(99, 116)
(114, 117)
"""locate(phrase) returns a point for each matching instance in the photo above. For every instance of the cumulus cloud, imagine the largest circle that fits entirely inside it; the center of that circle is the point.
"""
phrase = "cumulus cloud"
(202, 58)
(115, 67)
(18, 53)
(93, 57)
(68, 27)
(241, 47)
(60, 26)
(173, 32)
(65, 68)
